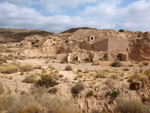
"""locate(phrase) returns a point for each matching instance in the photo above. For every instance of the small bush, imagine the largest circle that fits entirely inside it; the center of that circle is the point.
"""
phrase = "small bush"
(131, 106)
(6, 101)
(110, 82)
(116, 63)
(77, 88)
(134, 86)
(9, 68)
(2, 90)
(38, 67)
(53, 91)
(100, 75)
(113, 94)
(79, 70)
(88, 60)
(47, 81)
(86, 71)
(114, 77)
(147, 72)
(68, 68)
(145, 63)
(62, 62)
(121, 30)
(26, 67)
(90, 93)
(30, 79)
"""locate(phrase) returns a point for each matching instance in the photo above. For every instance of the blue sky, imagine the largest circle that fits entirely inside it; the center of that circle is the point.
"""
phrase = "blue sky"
(59, 15)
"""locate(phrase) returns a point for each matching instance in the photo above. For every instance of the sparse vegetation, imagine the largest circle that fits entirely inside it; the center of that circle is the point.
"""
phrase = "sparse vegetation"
(131, 106)
(30, 78)
(77, 88)
(110, 82)
(100, 74)
(116, 63)
(47, 81)
(68, 68)
(121, 30)
(39, 102)
(87, 60)
(7, 101)
(38, 67)
(113, 94)
(2, 90)
(9, 68)
(26, 67)
(90, 93)
(53, 91)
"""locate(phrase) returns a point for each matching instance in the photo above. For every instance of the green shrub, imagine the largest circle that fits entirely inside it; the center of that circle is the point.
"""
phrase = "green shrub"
(30, 79)
(121, 30)
(108, 93)
(131, 106)
(114, 93)
(47, 81)
(116, 63)
(26, 67)
(68, 68)
(53, 91)
(90, 93)
(77, 88)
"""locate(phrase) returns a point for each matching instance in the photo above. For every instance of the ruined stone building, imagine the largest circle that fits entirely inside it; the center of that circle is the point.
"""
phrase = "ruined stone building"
(112, 46)
(97, 47)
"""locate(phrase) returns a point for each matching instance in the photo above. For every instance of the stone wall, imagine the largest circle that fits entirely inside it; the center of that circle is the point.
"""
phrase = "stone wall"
(100, 45)
(86, 46)
(115, 44)
(62, 57)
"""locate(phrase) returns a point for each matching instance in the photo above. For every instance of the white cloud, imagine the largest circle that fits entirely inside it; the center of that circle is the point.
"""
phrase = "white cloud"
(13, 16)
(135, 16)
(101, 14)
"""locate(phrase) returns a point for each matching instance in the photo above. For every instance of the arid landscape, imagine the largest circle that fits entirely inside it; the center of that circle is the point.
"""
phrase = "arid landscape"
(80, 70)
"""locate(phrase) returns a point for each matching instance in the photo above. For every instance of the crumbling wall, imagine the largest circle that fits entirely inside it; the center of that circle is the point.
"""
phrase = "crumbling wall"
(62, 57)
(86, 46)
(115, 44)
(100, 45)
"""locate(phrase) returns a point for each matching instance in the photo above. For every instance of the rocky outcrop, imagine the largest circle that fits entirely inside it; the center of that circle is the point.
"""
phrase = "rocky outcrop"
(140, 49)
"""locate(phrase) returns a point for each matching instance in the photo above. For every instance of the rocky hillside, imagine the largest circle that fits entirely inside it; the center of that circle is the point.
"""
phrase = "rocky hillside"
(17, 35)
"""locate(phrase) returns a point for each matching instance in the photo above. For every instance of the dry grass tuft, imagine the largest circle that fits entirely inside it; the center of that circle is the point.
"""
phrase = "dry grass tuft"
(68, 68)
(38, 101)
(9, 68)
(30, 78)
(131, 106)
(2, 90)
(26, 67)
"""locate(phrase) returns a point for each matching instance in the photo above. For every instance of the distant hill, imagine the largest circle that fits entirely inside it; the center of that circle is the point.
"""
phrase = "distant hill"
(72, 30)
(17, 35)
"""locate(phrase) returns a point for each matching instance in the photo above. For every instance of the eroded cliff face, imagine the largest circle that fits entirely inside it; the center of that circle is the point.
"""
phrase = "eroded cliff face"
(140, 49)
